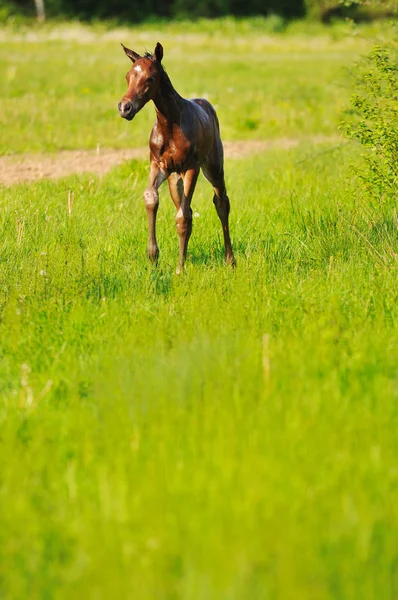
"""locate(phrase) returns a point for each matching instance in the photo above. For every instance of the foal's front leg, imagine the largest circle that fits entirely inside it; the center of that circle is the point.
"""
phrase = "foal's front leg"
(184, 215)
(151, 197)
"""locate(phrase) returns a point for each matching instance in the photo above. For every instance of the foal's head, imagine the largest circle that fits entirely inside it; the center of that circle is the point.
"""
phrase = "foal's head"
(143, 81)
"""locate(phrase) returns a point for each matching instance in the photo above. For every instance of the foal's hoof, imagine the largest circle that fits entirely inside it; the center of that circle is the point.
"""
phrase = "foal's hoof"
(231, 261)
(153, 255)
(179, 269)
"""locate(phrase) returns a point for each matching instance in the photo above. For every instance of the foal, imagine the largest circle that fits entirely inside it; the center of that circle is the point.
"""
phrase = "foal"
(185, 138)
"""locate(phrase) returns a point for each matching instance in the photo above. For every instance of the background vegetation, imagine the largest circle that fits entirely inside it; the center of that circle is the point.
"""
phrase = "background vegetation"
(220, 435)
(373, 120)
(70, 101)
(139, 10)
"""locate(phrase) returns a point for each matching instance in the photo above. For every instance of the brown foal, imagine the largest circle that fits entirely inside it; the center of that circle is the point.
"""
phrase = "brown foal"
(184, 139)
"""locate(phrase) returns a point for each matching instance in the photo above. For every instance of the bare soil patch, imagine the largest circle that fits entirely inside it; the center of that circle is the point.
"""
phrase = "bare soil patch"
(32, 167)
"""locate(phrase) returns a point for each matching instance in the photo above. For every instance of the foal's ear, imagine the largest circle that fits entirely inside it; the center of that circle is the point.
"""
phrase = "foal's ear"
(158, 54)
(131, 54)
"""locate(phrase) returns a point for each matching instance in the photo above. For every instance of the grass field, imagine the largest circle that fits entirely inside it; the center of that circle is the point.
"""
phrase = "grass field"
(60, 90)
(219, 435)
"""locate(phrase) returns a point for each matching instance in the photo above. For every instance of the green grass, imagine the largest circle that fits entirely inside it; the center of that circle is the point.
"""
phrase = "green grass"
(61, 85)
(144, 451)
(152, 443)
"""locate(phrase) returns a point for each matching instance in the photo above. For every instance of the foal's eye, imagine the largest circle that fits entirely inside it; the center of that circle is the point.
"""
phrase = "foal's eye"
(150, 79)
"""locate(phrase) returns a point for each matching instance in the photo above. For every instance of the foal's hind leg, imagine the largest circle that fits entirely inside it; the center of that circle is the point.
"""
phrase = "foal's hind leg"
(221, 202)
(181, 191)
(215, 175)
(176, 188)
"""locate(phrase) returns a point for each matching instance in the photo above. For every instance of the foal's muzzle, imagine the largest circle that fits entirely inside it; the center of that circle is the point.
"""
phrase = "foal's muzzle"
(126, 110)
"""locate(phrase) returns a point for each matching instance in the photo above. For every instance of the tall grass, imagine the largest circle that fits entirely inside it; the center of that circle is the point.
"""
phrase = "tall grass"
(153, 444)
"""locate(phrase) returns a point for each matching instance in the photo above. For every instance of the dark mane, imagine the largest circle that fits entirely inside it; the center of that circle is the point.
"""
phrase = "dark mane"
(151, 56)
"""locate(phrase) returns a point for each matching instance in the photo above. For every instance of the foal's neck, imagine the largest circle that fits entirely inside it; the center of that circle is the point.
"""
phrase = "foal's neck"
(168, 102)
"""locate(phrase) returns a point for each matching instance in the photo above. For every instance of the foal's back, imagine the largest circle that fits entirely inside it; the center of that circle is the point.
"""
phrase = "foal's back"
(207, 132)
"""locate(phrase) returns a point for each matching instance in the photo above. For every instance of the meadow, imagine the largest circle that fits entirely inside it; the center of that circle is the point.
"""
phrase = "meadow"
(224, 434)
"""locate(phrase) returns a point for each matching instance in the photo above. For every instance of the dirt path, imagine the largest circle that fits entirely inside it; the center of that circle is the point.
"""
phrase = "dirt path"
(31, 167)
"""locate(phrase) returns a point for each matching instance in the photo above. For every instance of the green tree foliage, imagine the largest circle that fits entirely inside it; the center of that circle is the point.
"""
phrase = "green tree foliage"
(373, 120)
(358, 10)
(212, 8)
(138, 10)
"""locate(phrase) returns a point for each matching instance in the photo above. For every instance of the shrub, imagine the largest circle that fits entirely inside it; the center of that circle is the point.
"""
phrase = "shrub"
(373, 120)
(357, 10)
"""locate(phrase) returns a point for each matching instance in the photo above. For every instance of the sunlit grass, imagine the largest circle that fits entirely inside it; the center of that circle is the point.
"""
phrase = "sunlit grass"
(61, 84)
(153, 445)
(226, 435)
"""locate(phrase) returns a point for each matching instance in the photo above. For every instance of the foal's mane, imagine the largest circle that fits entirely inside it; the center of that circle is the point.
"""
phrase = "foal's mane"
(163, 72)
(152, 57)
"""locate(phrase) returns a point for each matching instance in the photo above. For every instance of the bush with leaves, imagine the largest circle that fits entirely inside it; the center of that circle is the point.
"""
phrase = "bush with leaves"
(373, 120)
(357, 10)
